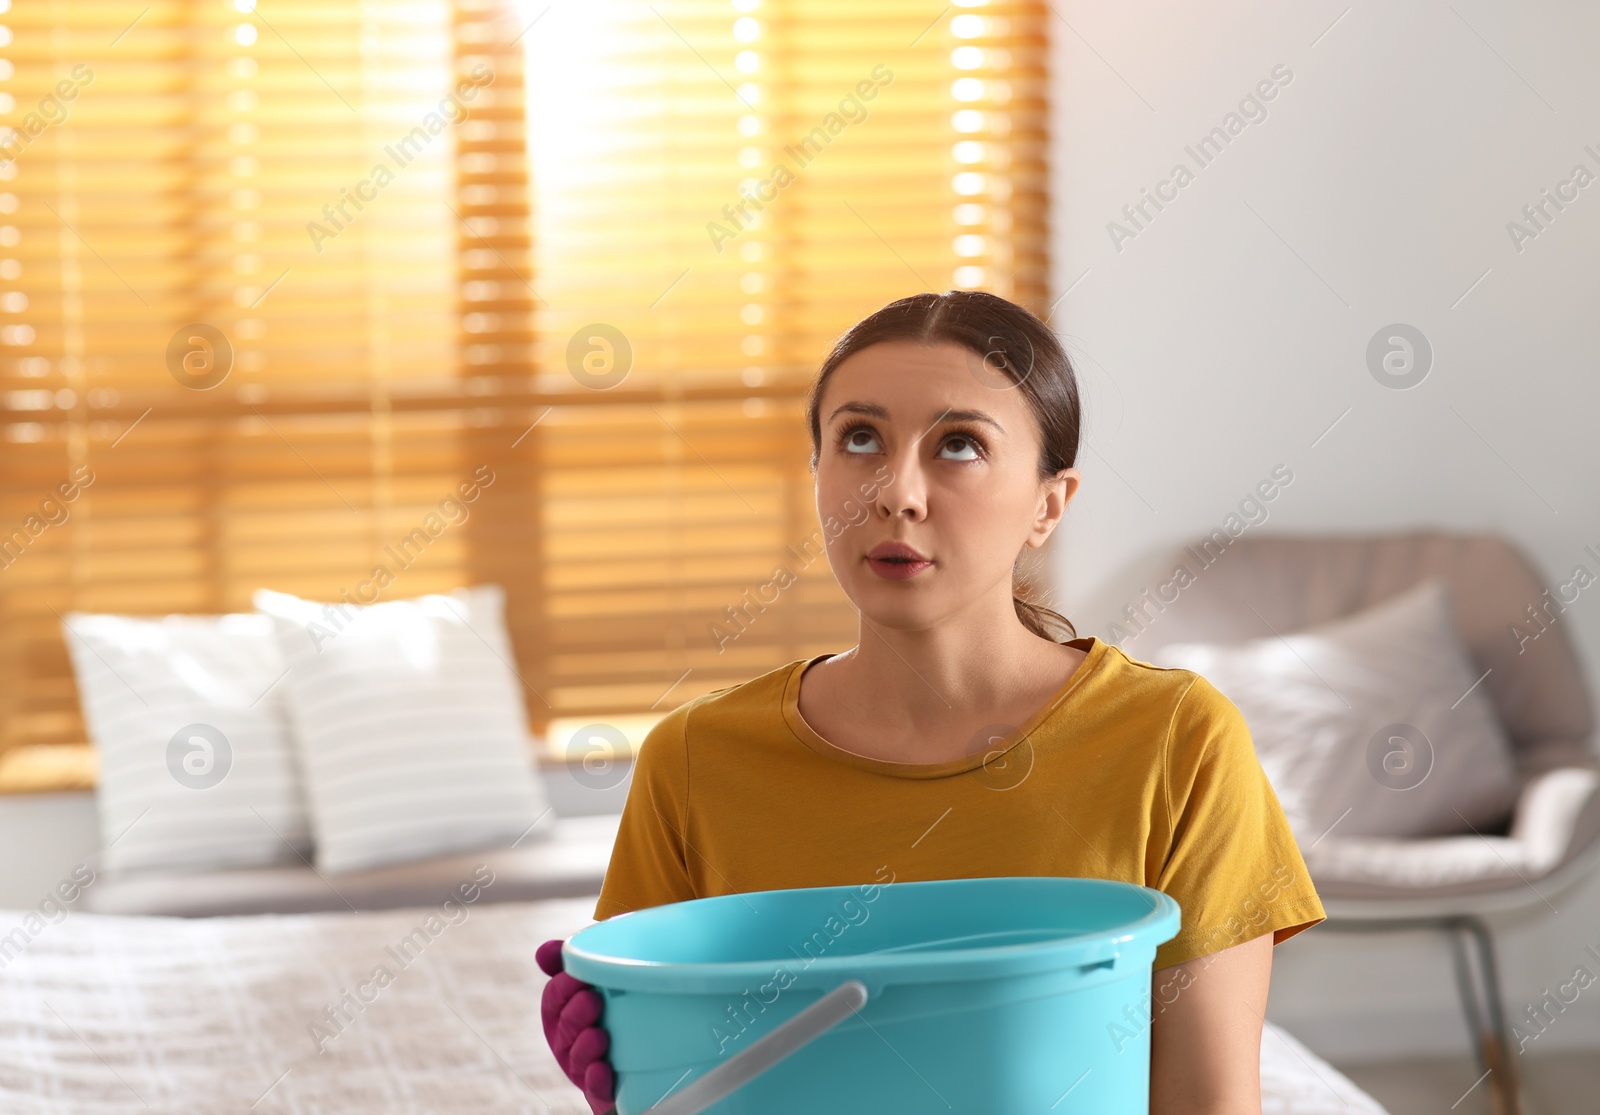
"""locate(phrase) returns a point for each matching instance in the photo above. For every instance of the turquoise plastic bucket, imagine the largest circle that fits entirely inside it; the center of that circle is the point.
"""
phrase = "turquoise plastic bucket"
(1011, 994)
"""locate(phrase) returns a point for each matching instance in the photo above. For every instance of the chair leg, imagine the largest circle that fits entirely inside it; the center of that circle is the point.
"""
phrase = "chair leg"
(1467, 992)
(1492, 1043)
(1486, 1024)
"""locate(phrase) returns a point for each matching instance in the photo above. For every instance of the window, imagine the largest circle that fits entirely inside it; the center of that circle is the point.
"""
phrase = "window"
(274, 282)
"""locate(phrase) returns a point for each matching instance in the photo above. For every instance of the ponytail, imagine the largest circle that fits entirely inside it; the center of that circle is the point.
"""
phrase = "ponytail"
(1042, 621)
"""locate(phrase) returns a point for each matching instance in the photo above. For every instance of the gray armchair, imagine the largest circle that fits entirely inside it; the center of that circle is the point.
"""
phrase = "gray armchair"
(1256, 586)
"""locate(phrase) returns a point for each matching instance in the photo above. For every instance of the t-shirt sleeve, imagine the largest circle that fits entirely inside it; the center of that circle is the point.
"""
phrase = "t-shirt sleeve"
(648, 864)
(1232, 862)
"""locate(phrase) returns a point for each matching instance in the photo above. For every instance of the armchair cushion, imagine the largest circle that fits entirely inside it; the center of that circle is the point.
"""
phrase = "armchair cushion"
(1372, 725)
(1511, 616)
(1557, 817)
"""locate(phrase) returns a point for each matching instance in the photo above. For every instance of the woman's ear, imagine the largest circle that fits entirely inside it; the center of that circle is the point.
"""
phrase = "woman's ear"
(1054, 495)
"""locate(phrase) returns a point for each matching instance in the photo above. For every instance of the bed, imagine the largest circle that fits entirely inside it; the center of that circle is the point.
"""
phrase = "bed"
(276, 1015)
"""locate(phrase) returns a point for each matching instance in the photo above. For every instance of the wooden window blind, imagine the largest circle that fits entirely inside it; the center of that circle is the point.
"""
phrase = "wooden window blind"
(276, 280)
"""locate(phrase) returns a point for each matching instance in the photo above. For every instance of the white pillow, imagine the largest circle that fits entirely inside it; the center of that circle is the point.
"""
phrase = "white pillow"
(1369, 714)
(196, 766)
(410, 726)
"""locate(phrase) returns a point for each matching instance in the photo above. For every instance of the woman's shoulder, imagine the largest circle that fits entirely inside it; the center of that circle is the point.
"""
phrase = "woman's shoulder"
(738, 705)
(1206, 726)
(1184, 700)
(1127, 669)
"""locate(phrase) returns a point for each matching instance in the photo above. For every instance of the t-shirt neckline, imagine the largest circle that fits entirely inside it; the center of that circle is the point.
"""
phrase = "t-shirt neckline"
(1096, 651)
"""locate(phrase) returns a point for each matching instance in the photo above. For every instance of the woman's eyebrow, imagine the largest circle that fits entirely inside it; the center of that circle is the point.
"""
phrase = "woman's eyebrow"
(965, 416)
(873, 410)
(870, 409)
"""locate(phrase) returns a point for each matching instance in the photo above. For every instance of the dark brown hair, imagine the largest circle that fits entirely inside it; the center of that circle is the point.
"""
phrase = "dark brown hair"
(1007, 338)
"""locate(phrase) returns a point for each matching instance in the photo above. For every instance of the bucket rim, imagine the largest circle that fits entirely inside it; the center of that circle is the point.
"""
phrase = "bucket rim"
(1137, 937)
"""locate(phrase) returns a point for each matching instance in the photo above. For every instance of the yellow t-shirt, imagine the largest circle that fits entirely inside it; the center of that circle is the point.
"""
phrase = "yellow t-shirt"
(1130, 772)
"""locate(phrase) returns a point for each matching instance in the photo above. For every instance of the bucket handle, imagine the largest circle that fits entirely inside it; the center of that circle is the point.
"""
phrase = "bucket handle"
(744, 1066)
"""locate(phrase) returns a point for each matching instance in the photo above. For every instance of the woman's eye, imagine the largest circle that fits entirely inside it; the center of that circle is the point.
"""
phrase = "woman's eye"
(967, 445)
(853, 441)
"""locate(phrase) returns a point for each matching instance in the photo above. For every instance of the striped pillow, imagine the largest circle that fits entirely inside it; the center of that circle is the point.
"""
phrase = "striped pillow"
(409, 722)
(197, 770)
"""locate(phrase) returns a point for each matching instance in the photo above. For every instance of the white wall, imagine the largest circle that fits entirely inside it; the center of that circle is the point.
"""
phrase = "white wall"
(1230, 333)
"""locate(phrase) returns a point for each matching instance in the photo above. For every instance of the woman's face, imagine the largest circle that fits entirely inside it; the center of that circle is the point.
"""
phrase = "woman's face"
(928, 446)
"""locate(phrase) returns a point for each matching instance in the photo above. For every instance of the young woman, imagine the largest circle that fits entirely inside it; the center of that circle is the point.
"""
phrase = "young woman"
(960, 737)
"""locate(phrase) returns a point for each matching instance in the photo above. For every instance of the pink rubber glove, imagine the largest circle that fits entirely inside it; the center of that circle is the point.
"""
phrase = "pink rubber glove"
(571, 1009)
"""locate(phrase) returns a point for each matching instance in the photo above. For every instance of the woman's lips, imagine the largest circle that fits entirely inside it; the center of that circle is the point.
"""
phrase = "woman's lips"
(894, 560)
(897, 570)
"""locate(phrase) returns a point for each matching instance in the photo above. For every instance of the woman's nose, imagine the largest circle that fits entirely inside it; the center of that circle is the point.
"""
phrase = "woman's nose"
(906, 493)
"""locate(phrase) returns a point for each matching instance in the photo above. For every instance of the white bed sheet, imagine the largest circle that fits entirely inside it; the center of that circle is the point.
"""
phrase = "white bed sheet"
(103, 1014)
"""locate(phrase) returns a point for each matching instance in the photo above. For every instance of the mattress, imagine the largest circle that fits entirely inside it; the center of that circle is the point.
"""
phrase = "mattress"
(425, 1010)
(567, 860)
